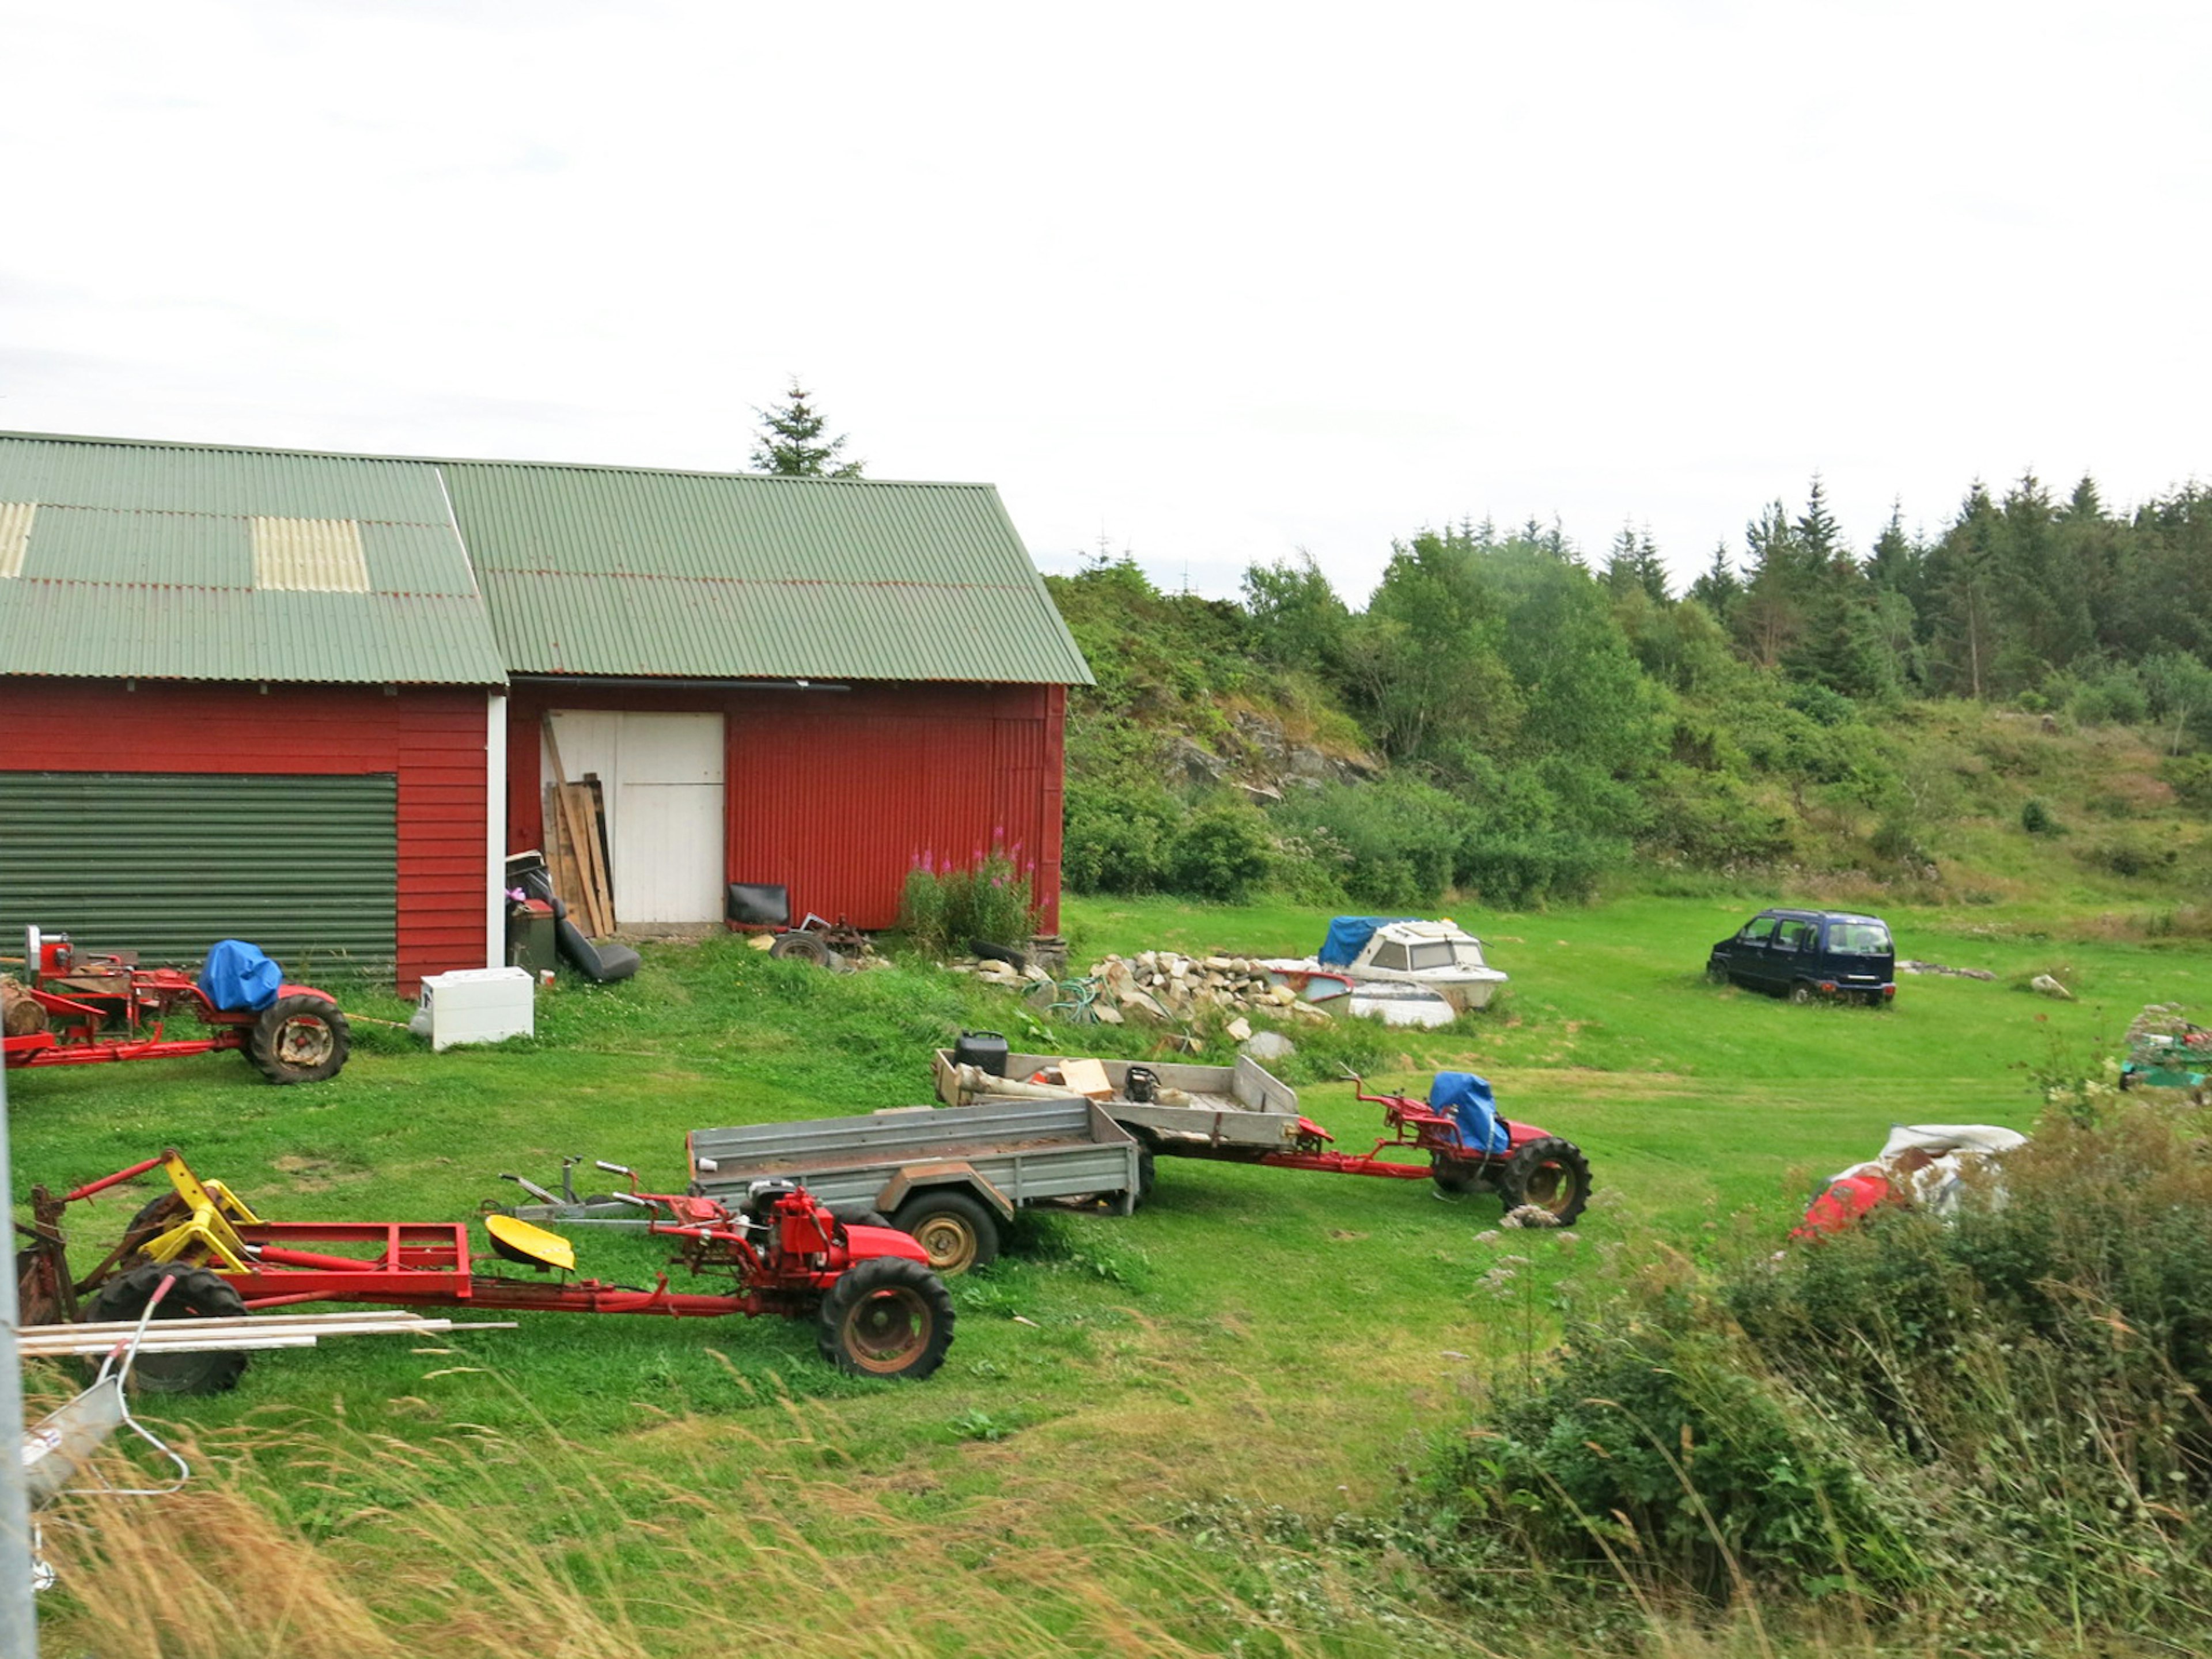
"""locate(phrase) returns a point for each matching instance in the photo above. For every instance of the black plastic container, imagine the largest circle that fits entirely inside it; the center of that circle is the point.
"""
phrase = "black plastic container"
(985, 1050)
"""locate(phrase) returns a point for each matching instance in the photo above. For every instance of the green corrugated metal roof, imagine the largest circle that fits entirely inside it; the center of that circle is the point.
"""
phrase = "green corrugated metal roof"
(140, 563)
(619, 571)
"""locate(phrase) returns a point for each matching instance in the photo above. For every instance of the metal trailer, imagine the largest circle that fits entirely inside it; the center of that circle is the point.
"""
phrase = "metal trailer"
(1228, 1106)
(1240, 1114)
(950, 1178)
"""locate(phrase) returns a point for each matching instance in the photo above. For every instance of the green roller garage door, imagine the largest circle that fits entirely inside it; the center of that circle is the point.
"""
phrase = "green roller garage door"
(308, 868)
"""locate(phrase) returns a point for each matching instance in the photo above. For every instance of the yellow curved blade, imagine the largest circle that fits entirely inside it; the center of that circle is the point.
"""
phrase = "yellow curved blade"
(529, 1243)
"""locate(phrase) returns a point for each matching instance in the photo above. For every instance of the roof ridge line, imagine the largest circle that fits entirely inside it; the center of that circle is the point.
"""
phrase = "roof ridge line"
(476, 461)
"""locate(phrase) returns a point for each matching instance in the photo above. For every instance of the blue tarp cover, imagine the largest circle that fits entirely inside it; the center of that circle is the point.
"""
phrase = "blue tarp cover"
(1348, 937)
(239, 976)
(1467, 1099)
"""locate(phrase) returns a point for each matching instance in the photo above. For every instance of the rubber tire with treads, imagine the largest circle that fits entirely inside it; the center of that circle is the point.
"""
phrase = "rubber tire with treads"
(956, 1230)
(797, 946)
(1552, 1174)
(1800, 994)
(886, 1316)
(858, 1213)
(300, 1039)
(1147, 1161)
(197, 1293)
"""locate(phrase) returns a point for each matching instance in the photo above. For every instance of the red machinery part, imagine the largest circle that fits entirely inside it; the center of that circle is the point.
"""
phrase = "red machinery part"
(881, 1312)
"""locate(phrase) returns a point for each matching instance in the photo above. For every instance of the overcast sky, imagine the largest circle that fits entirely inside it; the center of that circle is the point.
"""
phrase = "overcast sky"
(1205, 283)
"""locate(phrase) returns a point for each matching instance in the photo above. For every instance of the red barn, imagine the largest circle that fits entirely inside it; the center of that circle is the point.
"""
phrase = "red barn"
(307, 699)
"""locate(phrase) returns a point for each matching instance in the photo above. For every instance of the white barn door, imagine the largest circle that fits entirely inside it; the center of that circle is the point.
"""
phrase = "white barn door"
(661, 778)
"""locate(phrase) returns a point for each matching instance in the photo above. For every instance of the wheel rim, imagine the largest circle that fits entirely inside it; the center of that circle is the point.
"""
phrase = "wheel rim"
(887, 1329)
(950, 1243)
(305, 1040)
(1550, 1187)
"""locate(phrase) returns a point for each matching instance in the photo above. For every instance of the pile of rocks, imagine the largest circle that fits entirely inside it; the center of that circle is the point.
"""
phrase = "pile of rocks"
(1162, 988)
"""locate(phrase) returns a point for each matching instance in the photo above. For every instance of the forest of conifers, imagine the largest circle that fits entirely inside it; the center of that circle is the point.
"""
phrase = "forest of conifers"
(1516, 720)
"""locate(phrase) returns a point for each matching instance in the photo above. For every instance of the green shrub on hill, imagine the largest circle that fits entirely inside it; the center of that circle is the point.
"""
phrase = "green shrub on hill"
(1542, 724)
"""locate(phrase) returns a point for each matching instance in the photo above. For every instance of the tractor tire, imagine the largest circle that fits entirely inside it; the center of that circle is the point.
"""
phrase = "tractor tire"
(888, 1317)
(1454, 1177)
(800, 946)
(198, 1293)
(1550, 1174)
(1800, 994)
(300, 1039)
(857, 1214)
(958, 1232)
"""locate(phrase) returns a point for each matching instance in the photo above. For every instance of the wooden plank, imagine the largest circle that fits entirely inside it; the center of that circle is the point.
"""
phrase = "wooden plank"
(1086, 1078)
(591, 854)
(595, 821)
(593, 921)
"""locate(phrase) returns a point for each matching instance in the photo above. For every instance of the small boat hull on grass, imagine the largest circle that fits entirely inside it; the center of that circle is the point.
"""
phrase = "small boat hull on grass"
(1395, 1004)
(1337, 994)
(1409, 960)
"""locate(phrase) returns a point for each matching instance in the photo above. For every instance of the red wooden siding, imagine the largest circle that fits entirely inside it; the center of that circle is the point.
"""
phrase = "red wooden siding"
(834, 794)
(432, 740)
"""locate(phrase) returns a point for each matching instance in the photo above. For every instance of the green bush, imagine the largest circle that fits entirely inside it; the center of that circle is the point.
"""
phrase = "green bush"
(2129, 854)
(1400, 838)
(2115, 697)
(1117, 836)
(1222, 852)
(1515, 872)
(2037, 818)
(1716, 821)
(1961, 1421)
(2190, 776)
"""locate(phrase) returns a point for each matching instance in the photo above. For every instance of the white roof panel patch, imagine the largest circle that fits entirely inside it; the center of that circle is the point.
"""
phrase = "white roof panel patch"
(309, 556)
(15, 534)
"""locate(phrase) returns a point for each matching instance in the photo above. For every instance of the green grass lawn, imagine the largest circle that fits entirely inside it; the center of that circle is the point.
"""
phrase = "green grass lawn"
(1268, 1336)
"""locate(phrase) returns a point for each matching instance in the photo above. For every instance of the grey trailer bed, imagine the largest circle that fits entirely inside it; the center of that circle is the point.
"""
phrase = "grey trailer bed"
(948, 1177)
(1226, 1108)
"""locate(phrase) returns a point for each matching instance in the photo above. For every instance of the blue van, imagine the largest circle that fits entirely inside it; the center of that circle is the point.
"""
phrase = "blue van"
(1805, 954)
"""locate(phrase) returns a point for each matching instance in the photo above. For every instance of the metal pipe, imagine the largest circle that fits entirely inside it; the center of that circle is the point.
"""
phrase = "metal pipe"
(18, 1618)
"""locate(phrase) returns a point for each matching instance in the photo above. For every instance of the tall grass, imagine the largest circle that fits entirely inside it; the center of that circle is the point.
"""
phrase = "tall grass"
(993, 898)
(1996, 1423)
(390, 1550)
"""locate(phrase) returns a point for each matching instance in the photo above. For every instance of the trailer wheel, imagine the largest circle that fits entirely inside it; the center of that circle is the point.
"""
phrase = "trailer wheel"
(957, 1232)
(1550, 1174)
(198, 1293)
(1147, 1163)
(888, 1317)
(300, 1039)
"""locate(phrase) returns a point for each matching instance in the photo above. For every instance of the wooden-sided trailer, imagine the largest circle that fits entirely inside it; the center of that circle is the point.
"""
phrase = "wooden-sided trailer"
(1233, 1111)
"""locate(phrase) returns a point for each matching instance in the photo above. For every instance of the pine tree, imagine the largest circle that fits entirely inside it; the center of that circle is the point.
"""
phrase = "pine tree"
(1962, 580)
(1718, 589)
(791, 445)
(1772, 614)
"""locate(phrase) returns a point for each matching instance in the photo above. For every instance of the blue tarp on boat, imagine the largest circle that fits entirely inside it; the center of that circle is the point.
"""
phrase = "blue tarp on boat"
(1468, 1099)
(1348, 937)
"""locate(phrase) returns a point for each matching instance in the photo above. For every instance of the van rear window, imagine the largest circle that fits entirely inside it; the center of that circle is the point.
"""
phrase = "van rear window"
(1858, 939)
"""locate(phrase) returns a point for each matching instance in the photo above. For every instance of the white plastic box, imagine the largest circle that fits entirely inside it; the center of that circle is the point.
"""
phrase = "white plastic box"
(476, 1005)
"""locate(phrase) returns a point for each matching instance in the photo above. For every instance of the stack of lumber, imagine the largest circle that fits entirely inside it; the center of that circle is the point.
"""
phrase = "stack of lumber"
(576, 845)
